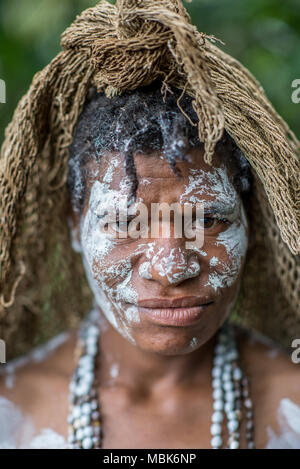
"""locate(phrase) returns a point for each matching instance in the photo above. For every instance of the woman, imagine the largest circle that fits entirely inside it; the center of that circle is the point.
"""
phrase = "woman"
(149, 350)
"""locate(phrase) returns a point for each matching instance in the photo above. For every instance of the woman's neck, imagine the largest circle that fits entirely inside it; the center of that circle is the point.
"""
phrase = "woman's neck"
(138, 368)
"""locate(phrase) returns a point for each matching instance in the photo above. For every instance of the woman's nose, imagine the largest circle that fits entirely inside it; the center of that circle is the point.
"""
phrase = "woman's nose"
(170, 266)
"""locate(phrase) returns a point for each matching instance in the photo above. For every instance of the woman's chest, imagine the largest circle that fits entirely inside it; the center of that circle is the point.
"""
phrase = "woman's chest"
(169, 423)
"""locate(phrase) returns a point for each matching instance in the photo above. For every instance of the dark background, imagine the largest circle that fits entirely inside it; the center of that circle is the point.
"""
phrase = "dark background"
(263, 34)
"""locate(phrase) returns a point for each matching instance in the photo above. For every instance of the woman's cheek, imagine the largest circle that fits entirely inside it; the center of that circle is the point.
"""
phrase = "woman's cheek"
(95, 244)
(229, 249)
(96, 247)
(111, 282)
(117, 282)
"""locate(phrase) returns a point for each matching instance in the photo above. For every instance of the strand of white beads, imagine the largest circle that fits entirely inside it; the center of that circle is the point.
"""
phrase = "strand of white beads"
(227, 379)
(230, 392)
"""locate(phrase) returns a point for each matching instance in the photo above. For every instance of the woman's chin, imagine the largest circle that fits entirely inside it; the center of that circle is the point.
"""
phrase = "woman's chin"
(168, 342)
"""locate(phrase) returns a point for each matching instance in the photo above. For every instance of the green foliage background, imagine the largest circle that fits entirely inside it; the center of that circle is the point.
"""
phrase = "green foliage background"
(263, 34)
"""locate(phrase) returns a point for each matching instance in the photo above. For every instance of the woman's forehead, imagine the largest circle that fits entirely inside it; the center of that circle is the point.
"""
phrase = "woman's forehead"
(156, 179)
(153, 165)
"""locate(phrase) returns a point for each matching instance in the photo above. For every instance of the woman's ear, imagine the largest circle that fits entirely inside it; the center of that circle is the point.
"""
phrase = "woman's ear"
(73, 219)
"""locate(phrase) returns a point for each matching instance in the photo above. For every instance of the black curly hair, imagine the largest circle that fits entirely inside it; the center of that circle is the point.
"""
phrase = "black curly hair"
(146, 119)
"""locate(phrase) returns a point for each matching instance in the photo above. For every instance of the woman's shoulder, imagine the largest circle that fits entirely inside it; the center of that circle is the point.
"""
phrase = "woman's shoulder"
(275, 388)
(34, 395)
(261, 343)
(267, 358)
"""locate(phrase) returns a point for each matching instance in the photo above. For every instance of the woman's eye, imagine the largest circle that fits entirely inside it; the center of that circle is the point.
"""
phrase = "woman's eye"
(208, 222)
(121, 225)
(118, 226)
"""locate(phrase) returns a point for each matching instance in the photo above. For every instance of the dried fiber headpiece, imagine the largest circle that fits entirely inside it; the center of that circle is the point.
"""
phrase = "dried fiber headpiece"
(118, 48)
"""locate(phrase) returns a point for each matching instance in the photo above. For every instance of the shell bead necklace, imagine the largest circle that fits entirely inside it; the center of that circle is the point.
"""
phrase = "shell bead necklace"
(230, 392)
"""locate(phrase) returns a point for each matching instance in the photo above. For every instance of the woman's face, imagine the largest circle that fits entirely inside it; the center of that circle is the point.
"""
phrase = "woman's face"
(161, 293)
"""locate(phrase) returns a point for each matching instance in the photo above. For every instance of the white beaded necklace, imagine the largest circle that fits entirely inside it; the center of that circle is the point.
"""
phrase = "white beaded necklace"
(230, 392)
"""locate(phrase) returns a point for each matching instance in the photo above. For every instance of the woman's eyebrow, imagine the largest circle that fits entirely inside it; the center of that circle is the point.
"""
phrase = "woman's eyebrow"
(119, 210)
(102, 215)
(225, 207)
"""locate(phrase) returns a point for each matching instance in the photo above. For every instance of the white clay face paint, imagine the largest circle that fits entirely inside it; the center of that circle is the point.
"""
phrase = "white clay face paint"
(173, 265)
(214, 184)
(235, 241)
(214, 190)
(95, 243)
(170, 263)
(113, 163)
(144, 270)
(194, 343)
(110, 282)
(100, 298)
(200, 251)
(145, 182)
(214, 261)
(224, 202)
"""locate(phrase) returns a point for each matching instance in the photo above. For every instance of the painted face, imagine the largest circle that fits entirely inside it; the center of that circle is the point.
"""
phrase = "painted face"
(158, 293)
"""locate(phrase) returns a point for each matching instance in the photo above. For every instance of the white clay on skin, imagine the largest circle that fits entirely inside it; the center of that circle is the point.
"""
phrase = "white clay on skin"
(224, 203)
(18, 432)
(214, 261)
(194, 343)
(214, 184)
(289, 421)
(172, 264)
(113, 163)
(111, 284)
(235, 241)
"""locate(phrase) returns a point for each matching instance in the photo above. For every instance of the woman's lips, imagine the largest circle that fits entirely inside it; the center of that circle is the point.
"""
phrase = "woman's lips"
(177, 316)
(175, 302)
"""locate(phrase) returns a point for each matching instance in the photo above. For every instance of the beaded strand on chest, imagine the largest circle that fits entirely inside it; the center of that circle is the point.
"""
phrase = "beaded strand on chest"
(230, 392)
(84, 417)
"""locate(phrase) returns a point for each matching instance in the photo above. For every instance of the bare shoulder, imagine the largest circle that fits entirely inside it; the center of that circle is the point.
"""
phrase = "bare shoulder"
(274, 385)
(38, 384)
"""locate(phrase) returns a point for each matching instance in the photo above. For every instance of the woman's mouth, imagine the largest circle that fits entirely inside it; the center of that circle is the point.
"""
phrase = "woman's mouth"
(185, 311)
